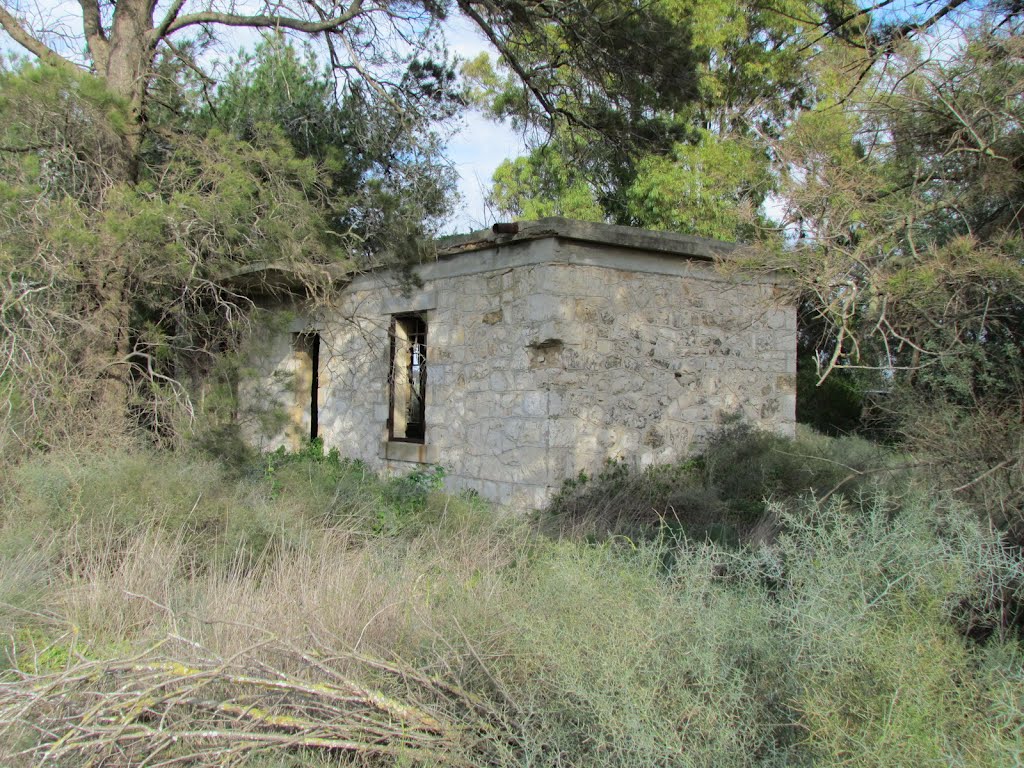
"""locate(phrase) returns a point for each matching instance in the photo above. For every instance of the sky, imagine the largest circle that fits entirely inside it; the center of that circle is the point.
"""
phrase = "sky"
(480, 146)
(475, 149)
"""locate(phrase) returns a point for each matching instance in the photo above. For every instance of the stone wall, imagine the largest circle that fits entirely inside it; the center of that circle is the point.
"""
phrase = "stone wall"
(546, 358)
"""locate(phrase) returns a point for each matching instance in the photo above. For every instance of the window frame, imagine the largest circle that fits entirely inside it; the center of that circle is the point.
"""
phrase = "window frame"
(411, 327)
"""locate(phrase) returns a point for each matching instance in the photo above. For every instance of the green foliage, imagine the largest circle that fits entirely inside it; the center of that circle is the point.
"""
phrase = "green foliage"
(709, 187)
(388, 182)
(34, 652)
(348, 493)
(670, 144)
(853, 636)
(706, 497)
(541, 184)
(779, 467)
(406, 498)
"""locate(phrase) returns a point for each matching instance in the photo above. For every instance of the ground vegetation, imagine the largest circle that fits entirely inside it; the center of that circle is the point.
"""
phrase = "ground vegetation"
(301, 611)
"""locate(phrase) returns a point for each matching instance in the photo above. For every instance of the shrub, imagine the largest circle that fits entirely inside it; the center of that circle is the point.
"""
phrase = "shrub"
(851, 638)
(867, 595)
(638, 504)
(747, 466)
(721, 495)
(601, 660)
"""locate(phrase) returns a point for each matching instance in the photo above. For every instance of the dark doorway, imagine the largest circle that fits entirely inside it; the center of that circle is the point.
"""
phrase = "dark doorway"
(307, 350)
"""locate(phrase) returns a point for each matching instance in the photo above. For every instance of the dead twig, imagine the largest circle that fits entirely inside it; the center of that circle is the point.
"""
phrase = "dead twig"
(158, 710)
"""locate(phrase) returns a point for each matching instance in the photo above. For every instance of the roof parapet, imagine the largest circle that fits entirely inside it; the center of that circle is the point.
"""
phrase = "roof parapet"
(670, 243)
(268, 278)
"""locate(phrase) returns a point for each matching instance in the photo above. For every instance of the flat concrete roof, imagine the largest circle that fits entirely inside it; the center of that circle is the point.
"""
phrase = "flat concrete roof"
(266, 278)
(669, 243)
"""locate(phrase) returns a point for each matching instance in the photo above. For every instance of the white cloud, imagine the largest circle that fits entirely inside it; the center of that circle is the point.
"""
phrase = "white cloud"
(481, 145)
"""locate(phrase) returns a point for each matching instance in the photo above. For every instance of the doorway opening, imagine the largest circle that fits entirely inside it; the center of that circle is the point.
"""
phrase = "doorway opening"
(306, 347)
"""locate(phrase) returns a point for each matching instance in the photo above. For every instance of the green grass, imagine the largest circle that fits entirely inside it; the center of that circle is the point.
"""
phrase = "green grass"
(872, 629)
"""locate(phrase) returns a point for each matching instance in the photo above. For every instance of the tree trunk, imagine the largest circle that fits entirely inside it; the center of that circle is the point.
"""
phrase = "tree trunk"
(109, 359)
(123, 58)
(125, 61)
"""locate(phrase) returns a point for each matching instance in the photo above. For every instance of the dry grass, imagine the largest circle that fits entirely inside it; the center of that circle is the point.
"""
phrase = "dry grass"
(460, 636)
(140, 648)
(152, 709)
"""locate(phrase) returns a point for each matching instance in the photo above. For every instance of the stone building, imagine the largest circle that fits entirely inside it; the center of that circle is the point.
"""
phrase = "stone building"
(526, 358)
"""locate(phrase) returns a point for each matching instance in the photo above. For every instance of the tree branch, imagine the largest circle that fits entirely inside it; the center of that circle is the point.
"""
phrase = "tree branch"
(911, 28)
(169, 18)
(488, 30)
(25, 149)
(262, 21)
(22, 37)
(95, 36)
(91, 22)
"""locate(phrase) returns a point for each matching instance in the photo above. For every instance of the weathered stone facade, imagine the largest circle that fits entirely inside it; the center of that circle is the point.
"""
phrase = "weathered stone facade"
(547, 353)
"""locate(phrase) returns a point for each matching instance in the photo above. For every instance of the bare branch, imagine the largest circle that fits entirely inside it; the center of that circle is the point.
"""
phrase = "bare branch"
(169, 18)
(26, 40)
(111, 707)
(260, 21)
(910, 29)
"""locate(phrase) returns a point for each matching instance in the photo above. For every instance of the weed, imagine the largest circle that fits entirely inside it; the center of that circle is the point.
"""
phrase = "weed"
(852, 635)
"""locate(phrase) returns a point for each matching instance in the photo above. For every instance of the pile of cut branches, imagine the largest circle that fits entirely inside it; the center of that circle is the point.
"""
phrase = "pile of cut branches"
(157, 709)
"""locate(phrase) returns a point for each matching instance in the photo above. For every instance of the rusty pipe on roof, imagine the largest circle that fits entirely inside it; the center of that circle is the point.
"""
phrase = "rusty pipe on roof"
(507, 228)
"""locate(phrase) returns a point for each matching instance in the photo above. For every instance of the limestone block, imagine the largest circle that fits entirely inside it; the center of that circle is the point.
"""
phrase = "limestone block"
(541, 307)
(534, 404)
(555, 403)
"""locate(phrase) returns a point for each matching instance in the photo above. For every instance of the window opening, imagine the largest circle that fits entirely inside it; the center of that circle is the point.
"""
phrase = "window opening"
(408, 379)
(307, 375)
